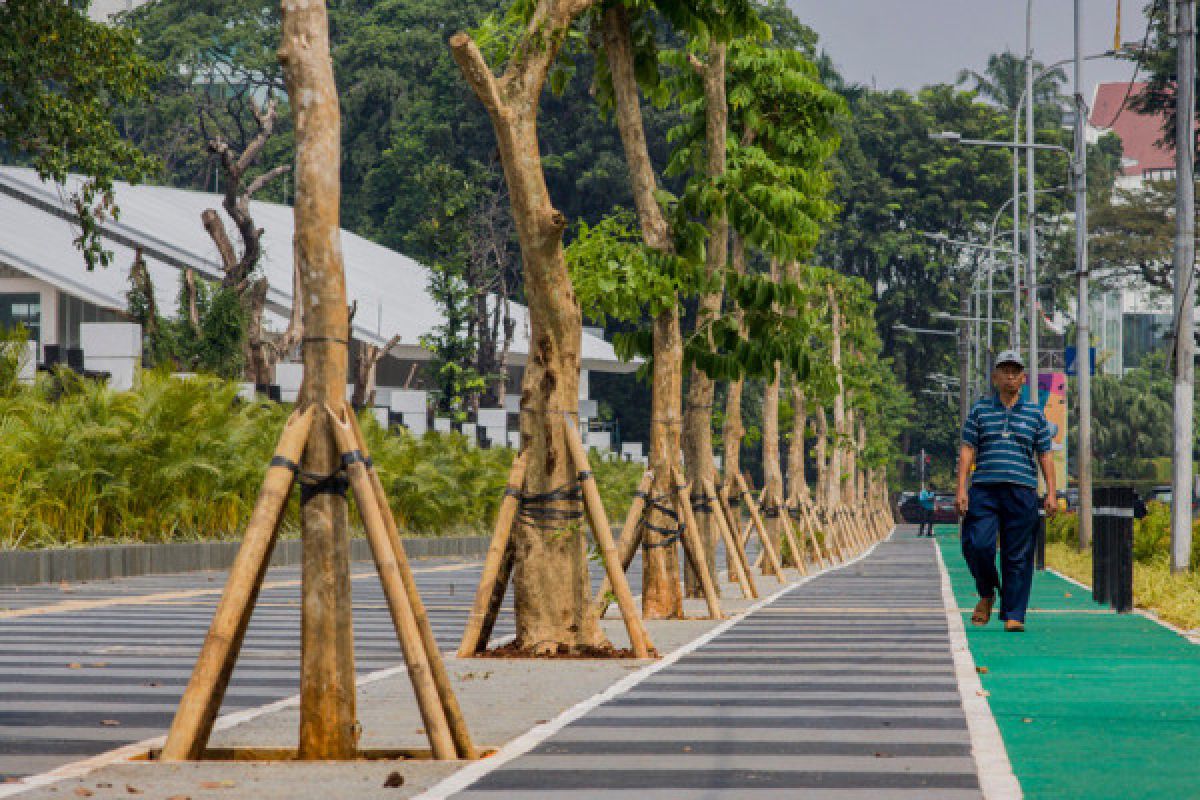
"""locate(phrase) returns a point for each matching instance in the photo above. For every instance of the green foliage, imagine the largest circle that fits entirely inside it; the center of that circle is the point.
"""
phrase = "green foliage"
(1131, 418)
(60, 76)
(615, 275)
(184, 459)
(13, 356)
(216, 345)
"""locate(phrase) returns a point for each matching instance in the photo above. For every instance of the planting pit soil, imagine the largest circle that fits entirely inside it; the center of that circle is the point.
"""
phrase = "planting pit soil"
(513, 651)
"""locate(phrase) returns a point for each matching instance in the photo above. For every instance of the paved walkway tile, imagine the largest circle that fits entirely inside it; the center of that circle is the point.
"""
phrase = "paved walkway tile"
(844, 687)
(1090, 705)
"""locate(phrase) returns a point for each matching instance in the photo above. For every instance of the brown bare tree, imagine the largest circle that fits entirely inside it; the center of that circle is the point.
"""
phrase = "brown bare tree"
(662, 597)
(698, 408)
(550, 575)
(328, 725)
(365, 366)
(262, 350)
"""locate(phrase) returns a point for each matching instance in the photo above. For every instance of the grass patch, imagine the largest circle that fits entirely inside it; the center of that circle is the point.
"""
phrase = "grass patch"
(1174, 598)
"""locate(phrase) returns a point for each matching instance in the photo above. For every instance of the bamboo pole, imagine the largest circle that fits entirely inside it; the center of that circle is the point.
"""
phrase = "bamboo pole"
(737, 556)
(790, 534)
(768, 547)
(472, 639)
(459, 731)
(416, 658)
(692, 545)
(598, 519)
(192, 725)
(631, 538)
(824, 557)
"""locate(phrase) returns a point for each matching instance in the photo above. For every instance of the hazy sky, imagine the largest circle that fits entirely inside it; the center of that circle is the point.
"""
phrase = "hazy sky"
(907, 44)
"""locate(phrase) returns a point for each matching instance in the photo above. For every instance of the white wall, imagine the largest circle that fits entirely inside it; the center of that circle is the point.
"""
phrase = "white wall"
(49, 295)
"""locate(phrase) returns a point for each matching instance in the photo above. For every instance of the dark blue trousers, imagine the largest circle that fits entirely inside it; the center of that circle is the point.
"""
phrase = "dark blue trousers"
(1007, 514)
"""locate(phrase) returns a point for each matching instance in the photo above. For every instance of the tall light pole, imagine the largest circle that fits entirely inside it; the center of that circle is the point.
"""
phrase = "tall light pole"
(1031, 237)
(1083, 338)
(1185, 289)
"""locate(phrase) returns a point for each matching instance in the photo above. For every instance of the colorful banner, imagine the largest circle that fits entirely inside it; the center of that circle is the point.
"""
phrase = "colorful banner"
(1052, 397)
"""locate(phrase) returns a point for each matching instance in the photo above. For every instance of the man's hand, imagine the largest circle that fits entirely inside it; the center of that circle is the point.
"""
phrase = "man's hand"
(1051, 504)
(960, 502)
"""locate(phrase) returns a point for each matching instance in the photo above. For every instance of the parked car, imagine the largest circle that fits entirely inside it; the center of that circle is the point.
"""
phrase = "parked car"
(1163, 494)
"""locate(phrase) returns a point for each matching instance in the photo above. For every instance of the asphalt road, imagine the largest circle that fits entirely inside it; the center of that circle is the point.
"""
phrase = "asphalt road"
(85, 668)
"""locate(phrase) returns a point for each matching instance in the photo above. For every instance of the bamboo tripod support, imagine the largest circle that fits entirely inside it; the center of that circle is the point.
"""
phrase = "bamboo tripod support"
(692, 546)
(445, 725)
(798, 553)
(741, 571)
(598, 519)
(497, 566)
(805, 520)
(631, 539)
(493, 584)
(193, 722)
(756, 519)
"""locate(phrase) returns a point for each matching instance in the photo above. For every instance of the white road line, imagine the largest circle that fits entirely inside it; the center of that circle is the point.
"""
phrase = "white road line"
(531, 739)
(996, 777)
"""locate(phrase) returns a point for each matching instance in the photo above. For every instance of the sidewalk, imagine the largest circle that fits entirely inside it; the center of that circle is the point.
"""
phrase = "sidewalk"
(842, 687)
(1090, 704)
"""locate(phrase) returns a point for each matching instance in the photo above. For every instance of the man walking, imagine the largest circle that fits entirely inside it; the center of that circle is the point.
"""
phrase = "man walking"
(1005, 439)
(925, 500)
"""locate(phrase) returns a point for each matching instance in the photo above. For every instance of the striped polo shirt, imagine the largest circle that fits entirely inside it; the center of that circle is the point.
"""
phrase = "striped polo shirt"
(1006, 441)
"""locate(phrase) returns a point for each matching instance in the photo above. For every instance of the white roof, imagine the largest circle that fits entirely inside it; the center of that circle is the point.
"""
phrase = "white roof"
(391, 289)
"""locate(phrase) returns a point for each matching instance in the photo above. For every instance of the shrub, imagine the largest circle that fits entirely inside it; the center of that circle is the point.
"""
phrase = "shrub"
(183, 459)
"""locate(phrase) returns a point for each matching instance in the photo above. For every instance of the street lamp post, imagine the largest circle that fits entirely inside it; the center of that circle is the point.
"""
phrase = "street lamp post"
(1083, 338)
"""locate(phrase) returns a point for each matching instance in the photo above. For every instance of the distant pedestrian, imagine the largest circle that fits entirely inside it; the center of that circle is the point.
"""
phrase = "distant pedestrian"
(1005, 439)
(925, 500)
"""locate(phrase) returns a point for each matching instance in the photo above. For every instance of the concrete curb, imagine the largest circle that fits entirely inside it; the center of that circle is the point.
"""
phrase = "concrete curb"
(28, 567)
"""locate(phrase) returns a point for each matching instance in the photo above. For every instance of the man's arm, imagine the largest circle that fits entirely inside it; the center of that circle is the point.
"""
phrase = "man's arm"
(966, 460)
(1046, 461)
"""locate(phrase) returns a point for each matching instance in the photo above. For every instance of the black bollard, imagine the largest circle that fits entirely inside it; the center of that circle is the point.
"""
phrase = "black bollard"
(1100, 509)
(1122, 596)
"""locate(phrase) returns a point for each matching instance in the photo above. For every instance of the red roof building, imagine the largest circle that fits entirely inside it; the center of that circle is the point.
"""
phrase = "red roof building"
(1144, 157)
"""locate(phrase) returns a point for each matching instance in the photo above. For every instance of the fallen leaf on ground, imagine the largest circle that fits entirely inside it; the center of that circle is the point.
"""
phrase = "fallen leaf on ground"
(217, 784)
(1027, 719)
(82, 792)
(1067, 594)
(74, 665)
(394, 780)
(981, 670)
(179, 797)
(132, 789)
(98, 664)
(110, 722)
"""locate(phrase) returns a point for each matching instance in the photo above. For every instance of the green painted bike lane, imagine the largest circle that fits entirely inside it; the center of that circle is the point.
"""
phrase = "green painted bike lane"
(1090, 704)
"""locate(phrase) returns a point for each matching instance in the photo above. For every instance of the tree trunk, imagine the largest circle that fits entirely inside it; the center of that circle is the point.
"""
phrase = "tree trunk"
(772, 464)
(835, 468)
(328, 728)
(797, 479)
(772, 470)
(550, 575)
(850, 467)
(697, 421)
(732, 429)
(661, 596)
(822, 456)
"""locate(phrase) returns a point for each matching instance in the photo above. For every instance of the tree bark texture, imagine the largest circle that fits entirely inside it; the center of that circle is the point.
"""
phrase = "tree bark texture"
(732, 430)
(796, 478)
(697, 424)
(550, 575)
(328, 728)
(821, 450)
(834, 473)
(772, 470)
(661, 594)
